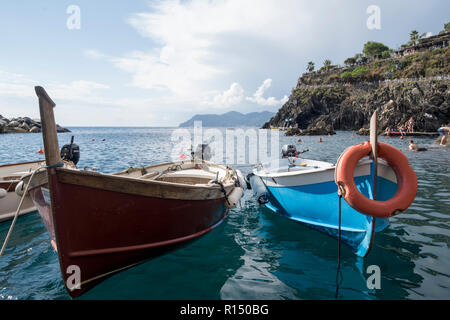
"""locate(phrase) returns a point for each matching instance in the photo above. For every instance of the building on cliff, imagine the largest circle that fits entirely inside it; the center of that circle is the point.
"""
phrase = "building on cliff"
(434, 42)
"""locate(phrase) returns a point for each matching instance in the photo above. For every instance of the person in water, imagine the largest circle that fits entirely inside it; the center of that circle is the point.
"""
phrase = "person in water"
(415, 147)
(442, 131)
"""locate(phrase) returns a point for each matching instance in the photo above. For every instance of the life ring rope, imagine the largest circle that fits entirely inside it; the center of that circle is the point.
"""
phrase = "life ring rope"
(406, 180)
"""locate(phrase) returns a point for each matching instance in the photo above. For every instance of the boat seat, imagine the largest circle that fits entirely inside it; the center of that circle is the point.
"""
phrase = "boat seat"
(149, 175)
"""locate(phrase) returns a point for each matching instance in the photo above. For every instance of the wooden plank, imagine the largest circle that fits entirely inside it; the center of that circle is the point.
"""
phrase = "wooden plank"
(413, 134)
(48, 123)
(147, 188)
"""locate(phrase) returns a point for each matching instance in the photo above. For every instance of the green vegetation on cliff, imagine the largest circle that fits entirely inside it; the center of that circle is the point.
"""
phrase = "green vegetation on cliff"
(420, 64)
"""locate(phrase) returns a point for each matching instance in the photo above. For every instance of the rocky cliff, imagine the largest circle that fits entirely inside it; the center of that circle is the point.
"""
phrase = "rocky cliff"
(321, 110)
(23, 125)
(415, 86)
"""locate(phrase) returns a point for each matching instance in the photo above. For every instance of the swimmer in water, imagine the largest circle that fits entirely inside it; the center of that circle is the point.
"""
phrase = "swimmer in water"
(415, 147)
(320, 140)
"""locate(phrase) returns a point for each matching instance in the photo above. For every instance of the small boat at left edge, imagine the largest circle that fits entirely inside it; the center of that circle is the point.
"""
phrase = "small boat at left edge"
(11, 189)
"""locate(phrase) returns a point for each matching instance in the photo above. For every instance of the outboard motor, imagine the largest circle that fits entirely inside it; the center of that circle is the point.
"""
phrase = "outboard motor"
(288, 150)
(71, 152)
(203, 152)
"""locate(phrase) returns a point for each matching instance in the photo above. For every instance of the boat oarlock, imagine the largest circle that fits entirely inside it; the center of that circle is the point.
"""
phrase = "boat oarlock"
(406, 180)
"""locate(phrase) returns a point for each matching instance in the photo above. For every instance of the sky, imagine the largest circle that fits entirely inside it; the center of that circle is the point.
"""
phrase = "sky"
(158, 63)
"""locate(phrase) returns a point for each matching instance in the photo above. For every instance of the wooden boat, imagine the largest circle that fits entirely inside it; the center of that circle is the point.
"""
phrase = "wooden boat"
(101, 223)
(10, 175)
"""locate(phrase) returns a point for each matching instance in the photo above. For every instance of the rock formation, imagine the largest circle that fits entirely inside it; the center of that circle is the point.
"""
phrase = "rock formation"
(416, 85)
(322, 110)
(23, 125)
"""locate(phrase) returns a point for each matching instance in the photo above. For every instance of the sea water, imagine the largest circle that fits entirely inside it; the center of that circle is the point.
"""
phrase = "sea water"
(254, 254)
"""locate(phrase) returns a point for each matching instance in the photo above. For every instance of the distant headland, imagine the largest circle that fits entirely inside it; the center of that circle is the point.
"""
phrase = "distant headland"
(412, 82)
(23, 125)
(230, 119)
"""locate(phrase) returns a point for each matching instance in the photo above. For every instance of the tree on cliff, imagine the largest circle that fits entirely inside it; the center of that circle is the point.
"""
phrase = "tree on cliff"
(413, 37)
(327, 64)
(350, 61)
(310, 66)
(446, 28)
(373, 49)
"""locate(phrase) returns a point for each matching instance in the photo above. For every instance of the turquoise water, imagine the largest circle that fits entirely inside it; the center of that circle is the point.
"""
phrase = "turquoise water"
(254, 254)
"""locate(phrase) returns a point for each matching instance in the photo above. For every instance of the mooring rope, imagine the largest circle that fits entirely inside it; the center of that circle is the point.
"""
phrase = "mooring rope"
(222, 188)
(17, 211)
(339, 276)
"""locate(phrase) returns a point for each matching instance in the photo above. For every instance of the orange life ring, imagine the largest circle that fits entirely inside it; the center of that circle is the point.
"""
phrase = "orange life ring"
(406, 180)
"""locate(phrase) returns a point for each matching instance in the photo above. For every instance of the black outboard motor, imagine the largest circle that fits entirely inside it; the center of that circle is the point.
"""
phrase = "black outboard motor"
(71, 152)
(288, 150)
(203, 152)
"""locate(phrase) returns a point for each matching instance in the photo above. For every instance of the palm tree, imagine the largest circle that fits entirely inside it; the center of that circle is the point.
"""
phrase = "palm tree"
(310, 66)
(327, 64)
(414, 37)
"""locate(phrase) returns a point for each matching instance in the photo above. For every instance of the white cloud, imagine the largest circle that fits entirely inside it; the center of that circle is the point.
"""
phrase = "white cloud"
(259, 99)
(189, 38)
(18, 85)
(15, 84)
(229, 98)
(94, 54)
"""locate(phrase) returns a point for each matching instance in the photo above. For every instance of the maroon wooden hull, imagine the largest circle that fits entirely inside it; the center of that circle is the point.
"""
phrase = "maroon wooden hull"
(103, 232)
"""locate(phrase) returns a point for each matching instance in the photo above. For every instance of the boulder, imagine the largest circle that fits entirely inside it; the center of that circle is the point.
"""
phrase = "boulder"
(13, 123)
(61, 129)
(25, 126)
(14, 130)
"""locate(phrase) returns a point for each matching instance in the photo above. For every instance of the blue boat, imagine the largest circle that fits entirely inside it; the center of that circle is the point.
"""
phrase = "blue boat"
(305, 191)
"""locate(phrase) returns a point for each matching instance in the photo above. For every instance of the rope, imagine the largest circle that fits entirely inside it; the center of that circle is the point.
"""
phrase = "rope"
(223, 190)
(7, 189)
(339, 276)
(17, 211)
(56, 165)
